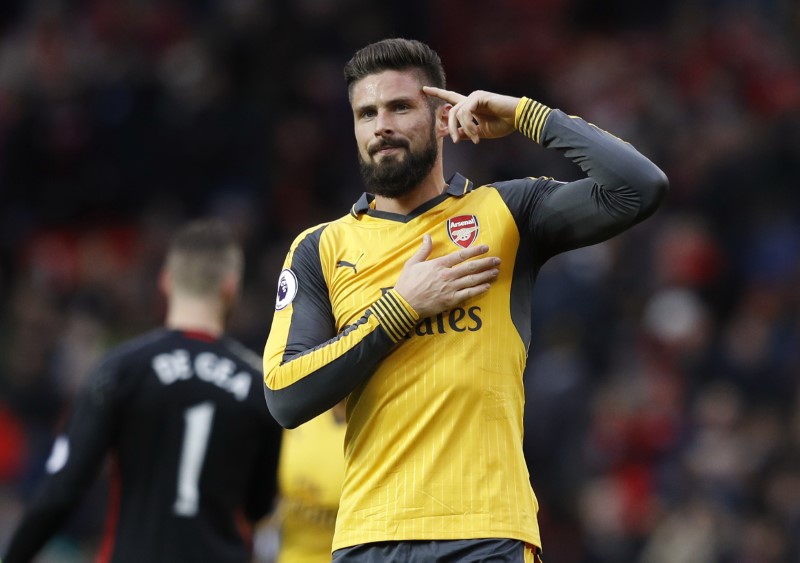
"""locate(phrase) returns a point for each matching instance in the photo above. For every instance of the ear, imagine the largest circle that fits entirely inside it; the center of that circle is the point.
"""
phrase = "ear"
(442, 116)
(230, 287)
(164, 282)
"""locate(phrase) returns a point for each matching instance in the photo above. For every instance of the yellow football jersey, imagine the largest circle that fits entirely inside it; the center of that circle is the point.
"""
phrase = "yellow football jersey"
(433, 447)
(433, 443)
(310, 477)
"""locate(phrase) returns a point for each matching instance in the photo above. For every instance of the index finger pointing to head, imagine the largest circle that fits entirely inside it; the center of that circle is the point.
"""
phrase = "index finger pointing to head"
(447, 95)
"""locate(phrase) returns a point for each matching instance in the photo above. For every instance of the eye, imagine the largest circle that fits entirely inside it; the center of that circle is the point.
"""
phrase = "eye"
(366, 114)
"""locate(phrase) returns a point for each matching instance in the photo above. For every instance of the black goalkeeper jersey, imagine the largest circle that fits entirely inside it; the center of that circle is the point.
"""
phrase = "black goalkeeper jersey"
(194, 450)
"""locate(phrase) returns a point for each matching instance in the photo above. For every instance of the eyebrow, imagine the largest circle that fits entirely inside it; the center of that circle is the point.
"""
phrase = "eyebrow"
(394, 101)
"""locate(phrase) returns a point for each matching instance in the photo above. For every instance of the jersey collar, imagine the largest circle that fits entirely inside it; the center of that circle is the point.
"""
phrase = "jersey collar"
(457, 186)
(198, 335)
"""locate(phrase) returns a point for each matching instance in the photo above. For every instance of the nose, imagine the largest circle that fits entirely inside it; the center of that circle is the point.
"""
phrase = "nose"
(383, 124)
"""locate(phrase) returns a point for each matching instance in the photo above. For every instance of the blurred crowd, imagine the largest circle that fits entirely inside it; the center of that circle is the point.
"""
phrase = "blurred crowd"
(663, 405)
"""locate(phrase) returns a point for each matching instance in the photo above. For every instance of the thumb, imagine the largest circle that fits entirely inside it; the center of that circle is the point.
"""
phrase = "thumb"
(424, 251)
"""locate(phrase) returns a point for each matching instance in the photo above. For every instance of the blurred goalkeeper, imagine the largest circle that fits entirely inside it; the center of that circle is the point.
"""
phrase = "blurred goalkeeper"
(181, 411)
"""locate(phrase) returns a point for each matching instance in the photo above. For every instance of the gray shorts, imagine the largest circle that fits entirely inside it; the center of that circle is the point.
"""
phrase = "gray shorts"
(494, 550)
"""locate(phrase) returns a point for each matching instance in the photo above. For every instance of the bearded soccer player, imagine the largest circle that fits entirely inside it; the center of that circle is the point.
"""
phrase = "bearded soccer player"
(181, 412)
(416, 307)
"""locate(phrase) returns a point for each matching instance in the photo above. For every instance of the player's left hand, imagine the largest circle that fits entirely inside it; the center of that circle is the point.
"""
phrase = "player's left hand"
(481, 115)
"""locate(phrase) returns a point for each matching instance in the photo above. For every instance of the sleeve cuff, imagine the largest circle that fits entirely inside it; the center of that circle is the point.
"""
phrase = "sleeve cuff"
(530, 117)
(395, 315)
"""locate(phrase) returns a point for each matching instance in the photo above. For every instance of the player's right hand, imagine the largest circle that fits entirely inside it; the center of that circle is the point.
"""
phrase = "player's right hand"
(481, 115)
(433, 286)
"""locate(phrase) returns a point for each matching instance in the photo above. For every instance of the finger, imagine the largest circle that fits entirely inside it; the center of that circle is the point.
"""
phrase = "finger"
(453, 125)
(474, 266)
(469, 292)
(458, 256)
(447, 95)
(424, 251)
(465, 113)
(462, 125)
(470, 126)
(477, 279)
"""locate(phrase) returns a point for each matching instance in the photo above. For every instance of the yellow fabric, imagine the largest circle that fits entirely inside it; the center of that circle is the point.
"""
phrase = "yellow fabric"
(310, 475)
(530, 117)
(433, 443)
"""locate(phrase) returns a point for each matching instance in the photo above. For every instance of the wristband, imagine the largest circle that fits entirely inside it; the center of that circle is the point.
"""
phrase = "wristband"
(530, 117)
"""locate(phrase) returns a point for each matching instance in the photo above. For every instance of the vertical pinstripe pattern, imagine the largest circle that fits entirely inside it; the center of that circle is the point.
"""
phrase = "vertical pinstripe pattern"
(310, 490)
(434, 438)
(433, 446)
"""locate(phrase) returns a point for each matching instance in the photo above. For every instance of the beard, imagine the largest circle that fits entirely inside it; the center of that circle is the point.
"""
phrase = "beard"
(395, 176)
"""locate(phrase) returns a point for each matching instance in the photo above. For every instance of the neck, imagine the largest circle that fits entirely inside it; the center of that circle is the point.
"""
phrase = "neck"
(195, 314)
(432, 186)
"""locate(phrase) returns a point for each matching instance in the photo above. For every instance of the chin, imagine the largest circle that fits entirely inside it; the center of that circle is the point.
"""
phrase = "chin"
(391, 160)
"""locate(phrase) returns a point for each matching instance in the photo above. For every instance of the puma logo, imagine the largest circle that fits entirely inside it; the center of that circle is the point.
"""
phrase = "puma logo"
(346, 264)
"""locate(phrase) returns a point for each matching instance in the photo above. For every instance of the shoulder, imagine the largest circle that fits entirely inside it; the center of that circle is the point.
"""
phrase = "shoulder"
(117, 369)
(527, 183)
(309, 233)
(136, 347)
(523, 197)
(312, 235)
(522, 191)
(243, 354)
(309, 245)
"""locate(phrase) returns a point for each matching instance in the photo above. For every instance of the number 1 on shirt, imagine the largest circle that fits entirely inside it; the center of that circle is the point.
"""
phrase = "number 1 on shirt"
(196, 431)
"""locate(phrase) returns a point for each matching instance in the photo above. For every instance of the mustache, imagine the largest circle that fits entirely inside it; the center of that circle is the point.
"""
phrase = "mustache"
(388, 143)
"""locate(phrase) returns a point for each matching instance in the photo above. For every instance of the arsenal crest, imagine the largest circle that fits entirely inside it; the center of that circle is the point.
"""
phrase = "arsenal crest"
(463, 229)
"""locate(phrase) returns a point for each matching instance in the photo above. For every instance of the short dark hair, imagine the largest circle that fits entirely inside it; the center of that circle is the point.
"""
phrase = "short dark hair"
(395, 54)
(201, 254)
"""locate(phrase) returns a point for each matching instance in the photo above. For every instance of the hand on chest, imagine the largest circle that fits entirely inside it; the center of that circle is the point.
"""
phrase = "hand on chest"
(366, 262)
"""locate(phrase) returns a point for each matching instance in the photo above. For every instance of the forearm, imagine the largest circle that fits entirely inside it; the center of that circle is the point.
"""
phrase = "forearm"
(54, 500)
(308, 381)
(38, 526)
(622, 187)
(74, 463)
(262, 490)
(614, 164)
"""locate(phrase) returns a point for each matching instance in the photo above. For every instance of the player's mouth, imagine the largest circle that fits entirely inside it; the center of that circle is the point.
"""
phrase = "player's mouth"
(386, 148)
(388, 151)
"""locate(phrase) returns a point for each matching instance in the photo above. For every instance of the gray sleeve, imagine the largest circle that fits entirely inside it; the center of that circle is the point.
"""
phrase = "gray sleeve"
(622, 188)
